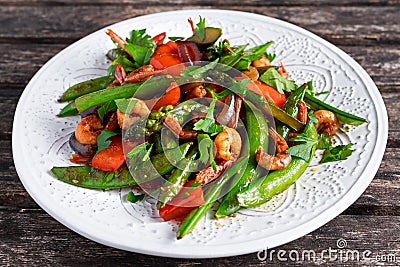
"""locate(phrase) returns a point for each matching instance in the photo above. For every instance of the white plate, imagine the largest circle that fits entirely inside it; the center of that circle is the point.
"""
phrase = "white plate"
(322, 193)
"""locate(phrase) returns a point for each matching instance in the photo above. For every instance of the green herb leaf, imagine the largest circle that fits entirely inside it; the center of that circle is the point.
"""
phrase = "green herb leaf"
(106, 107)
(197, 72)
(139, 152)
(304, 149)
(134, 198)
(205, 145)
(125, 105)
(176, 38)
(200, 30)
(274, 79)
(271, 56)
(208, 123)
(127, 64)
(340, 152)
(102, 140)
(256, 52)
(324, 141)
(140, 38)
(140, 54)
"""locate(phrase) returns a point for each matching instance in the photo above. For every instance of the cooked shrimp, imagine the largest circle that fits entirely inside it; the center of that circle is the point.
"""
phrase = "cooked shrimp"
(209, 174)
(141, 74)
(283, 72)
(272, 163)
(252, 73)
(119, 73)
(262, 62)
(88, 129)
(139, 109)
(327, 121)
(280, 160)
(229, 144)
(197, 92)
(118, 39)
(302, 114)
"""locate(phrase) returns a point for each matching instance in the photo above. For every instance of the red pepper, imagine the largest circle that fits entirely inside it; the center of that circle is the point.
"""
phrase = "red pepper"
(171, 96)
(111, 158)
(166, 56)
(159, 39)
(270, 93)
(187, 199)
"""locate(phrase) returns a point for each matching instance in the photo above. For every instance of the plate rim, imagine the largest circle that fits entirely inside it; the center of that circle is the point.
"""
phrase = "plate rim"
(216, 251)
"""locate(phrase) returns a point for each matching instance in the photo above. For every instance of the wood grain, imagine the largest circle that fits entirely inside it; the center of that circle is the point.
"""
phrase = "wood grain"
(33, 31)
(340, 25)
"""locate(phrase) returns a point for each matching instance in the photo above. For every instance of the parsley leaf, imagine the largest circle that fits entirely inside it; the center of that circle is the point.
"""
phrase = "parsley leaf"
(200, 30)
(176, 38)
(139, 37)
(125, 63)
(270, 56)
(274, 79)
(140, 54)
(197, 72)
(106, 107)
(102, 140)
(304, 149)
(208, 123)
(205, 145)
(125, 105)
(340, 152)
(324, 141)
(134, 198)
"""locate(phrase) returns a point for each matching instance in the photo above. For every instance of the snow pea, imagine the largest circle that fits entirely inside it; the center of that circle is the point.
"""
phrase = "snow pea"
(68, 110)
(176, 180)
(210, 197)
(257, 130)
(89, 177)
(262, 190)
(343, 117)
(86, 87)
(291, 108)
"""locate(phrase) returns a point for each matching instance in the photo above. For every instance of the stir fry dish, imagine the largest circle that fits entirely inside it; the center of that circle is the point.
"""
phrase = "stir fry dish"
(198, 124)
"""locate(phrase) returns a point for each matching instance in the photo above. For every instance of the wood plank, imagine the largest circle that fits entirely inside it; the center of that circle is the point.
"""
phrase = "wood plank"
(19, 62)
(31, 237)
(341, 25)
(217, 3)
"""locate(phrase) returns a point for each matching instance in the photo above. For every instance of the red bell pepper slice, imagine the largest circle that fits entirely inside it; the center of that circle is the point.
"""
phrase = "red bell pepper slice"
(187, 199)
(171, 97)
(166, 56)
(270, 93)
(159, 38)
(111, 158)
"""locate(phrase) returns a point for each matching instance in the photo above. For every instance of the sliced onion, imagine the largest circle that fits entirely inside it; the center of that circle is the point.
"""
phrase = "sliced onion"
(188, 51)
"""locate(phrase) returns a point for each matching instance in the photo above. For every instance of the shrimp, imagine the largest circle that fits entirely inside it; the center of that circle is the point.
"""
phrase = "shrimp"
(118, 39)
(88, 129)
(197, 92)
(139, 109)
(141, 74)
(252, 73)
(283, 72)
(229, 145)
(327, 121)
(281, 160)
(302, 114)
(262, 62)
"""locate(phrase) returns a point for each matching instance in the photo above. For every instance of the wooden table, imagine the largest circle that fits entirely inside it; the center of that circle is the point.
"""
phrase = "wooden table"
(33, 31)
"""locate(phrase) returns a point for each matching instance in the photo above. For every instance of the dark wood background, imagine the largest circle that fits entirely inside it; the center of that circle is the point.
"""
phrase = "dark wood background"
(33, 31)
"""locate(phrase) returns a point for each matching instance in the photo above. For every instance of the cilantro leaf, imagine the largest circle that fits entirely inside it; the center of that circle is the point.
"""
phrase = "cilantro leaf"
(125, 105)
(274, 79)
(106, 107)
(208, 123)
(197, 72)
(200, 30)
(340, 152)
(324, 141)
(102, 140)
(134, 198)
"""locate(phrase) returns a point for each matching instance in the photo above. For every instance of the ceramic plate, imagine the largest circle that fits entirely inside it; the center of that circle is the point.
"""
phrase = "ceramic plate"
(322, 193)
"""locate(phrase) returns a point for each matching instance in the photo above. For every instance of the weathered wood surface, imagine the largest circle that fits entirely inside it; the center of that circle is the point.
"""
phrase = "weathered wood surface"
(34, 30)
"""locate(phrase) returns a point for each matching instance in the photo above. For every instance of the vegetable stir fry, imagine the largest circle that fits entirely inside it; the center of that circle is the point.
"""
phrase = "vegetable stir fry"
(197, 123)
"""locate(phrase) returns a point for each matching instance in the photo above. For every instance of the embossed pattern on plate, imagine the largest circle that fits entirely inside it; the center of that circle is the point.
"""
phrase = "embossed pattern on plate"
(40, 142)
